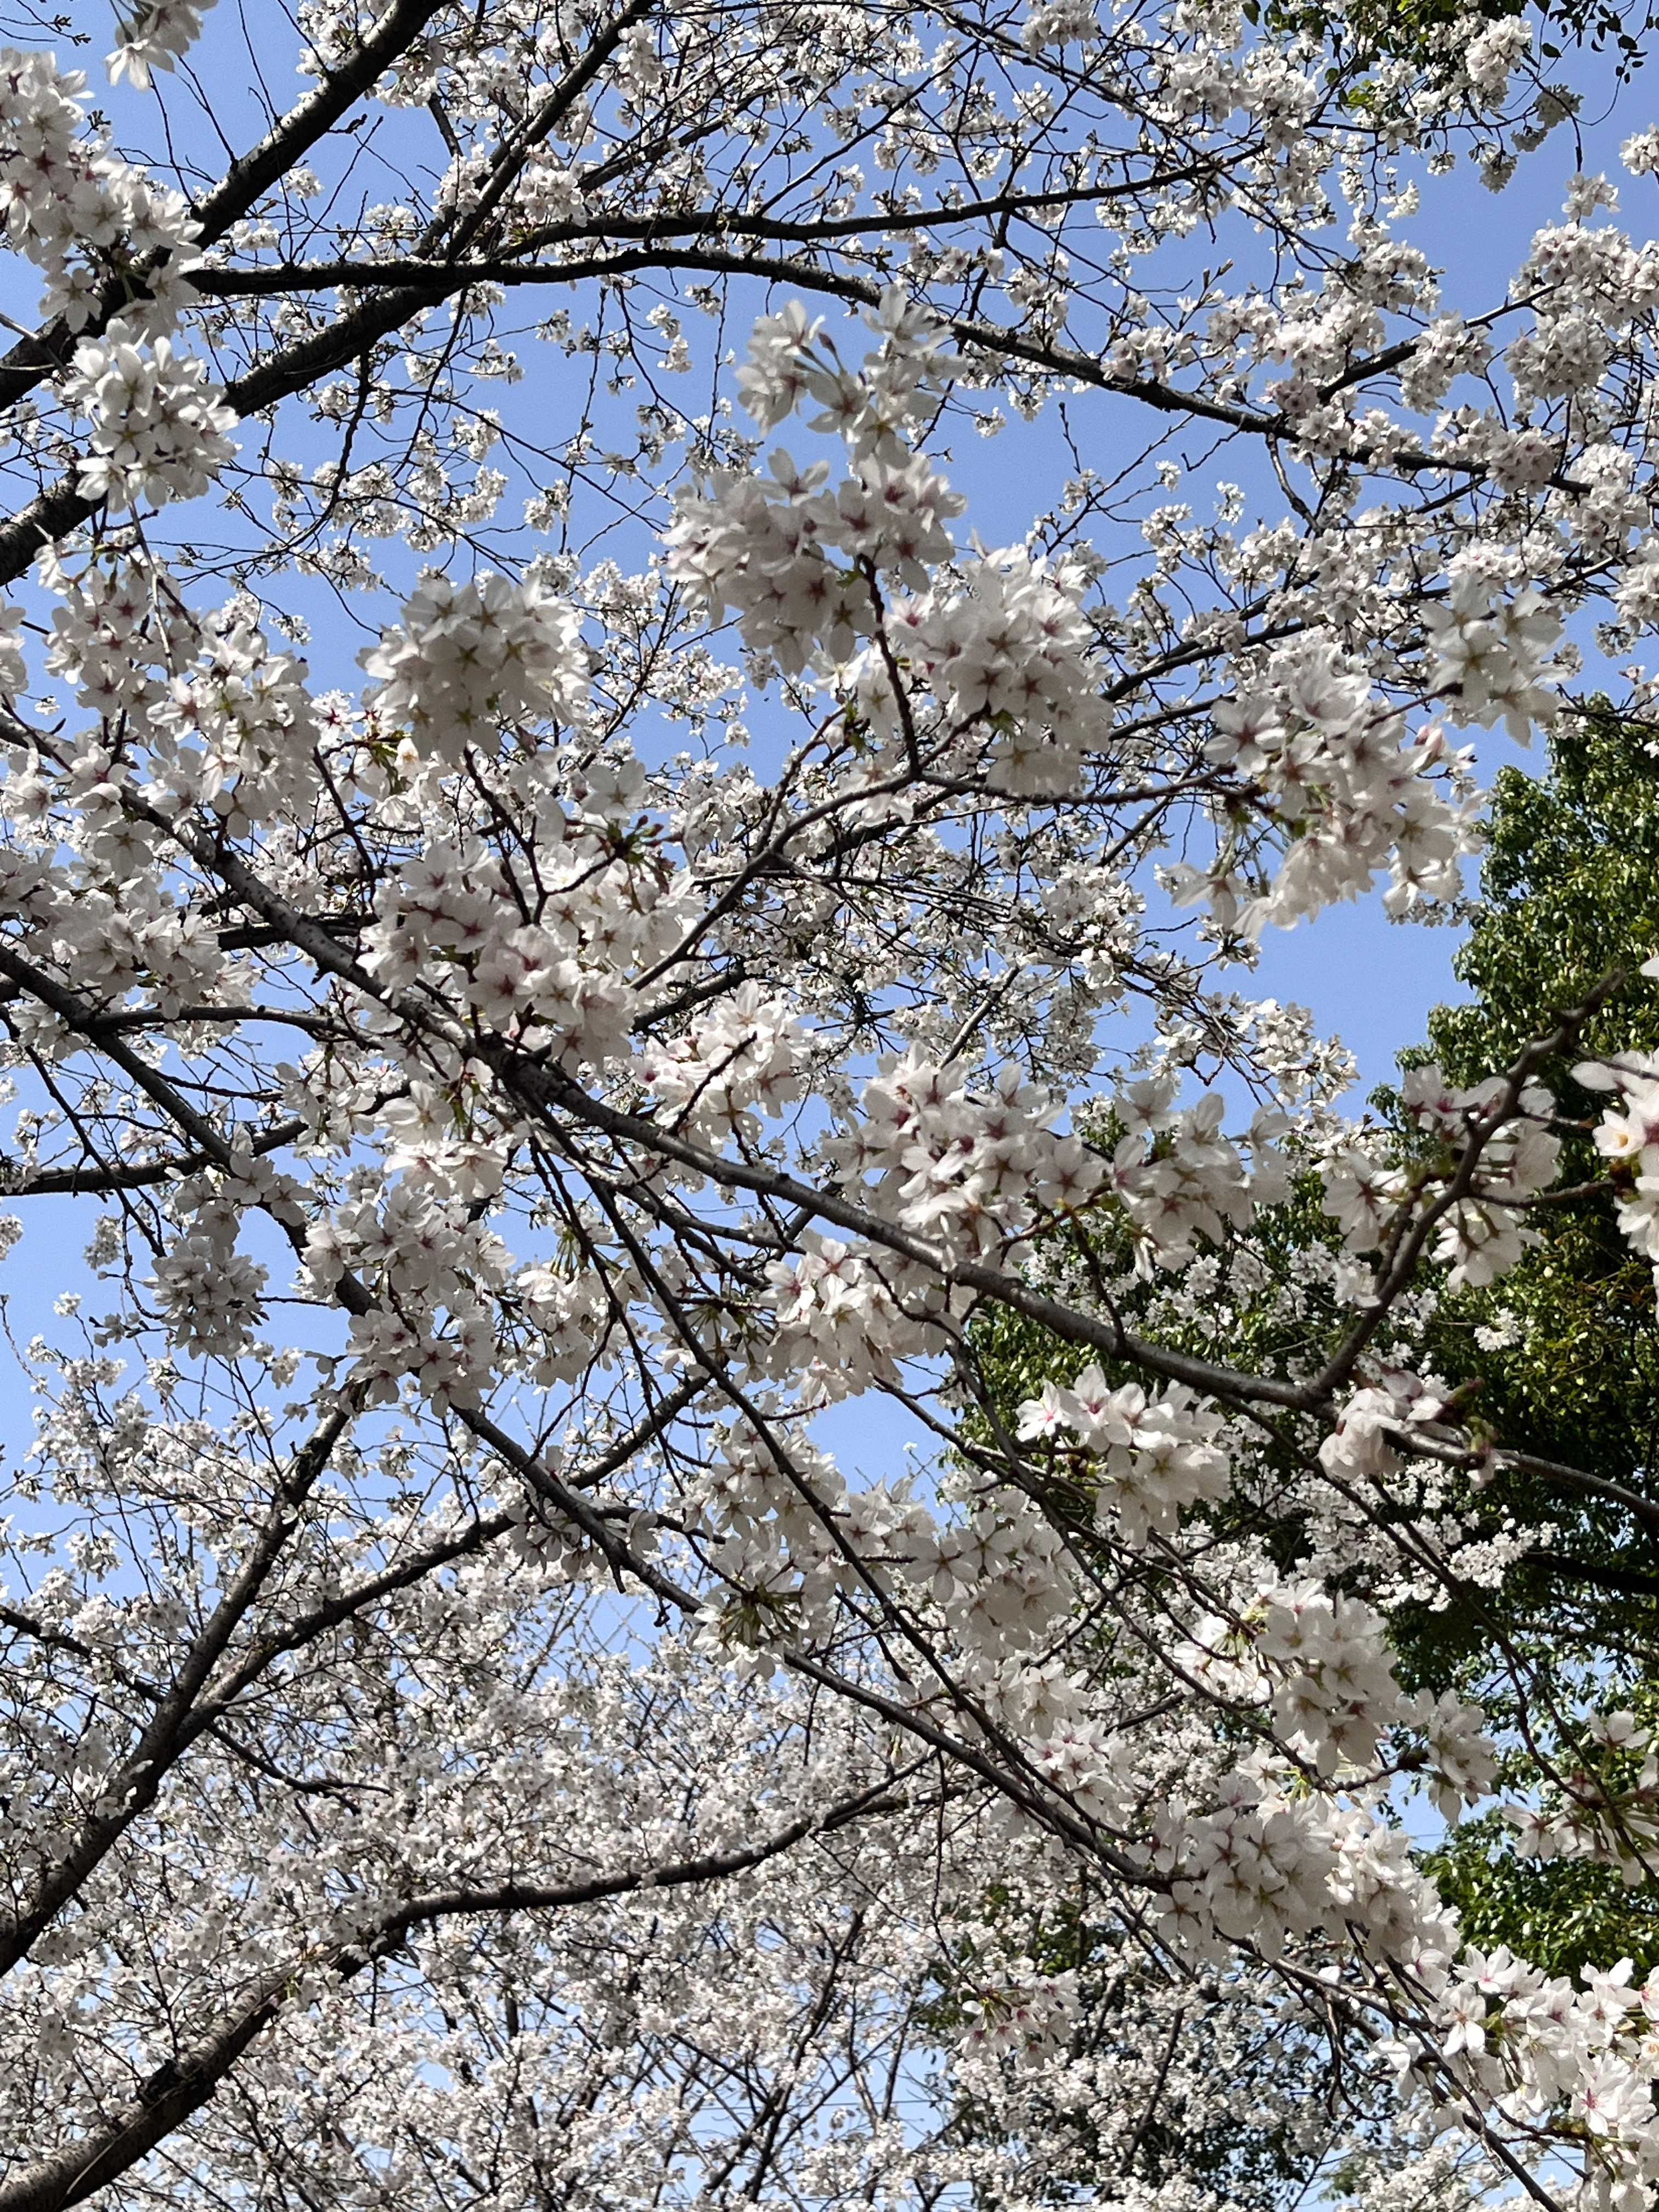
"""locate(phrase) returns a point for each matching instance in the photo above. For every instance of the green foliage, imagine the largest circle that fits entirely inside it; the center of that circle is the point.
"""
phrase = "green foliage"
(1561, 1914)
(1570, 896)
(1569, 1368)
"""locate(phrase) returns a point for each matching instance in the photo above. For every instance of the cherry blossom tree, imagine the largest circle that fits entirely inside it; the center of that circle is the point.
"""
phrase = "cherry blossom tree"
(736, 938)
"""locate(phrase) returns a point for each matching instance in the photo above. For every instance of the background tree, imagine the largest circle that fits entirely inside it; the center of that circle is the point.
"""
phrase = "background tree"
(1561, 1352)
(1565, 1352)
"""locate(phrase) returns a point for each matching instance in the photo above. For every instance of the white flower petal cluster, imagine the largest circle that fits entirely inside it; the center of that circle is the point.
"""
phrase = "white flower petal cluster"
(1363, 1440)
(1005, 647)
(964, 1167)
(78, 212)
(1011, 650)
(1494, 1153)
(566, 1317)
(159, 419)
(144, 940)
(14, 669)
(434, 1268)
(1362, 1193)
(743, 1051)
(212, 1293)
(752, 544)
(1322, 1663)
(237, 728)
(1492, 54)
(1332, 766)
(114, 623)
(1004, 1586)
(763, 545)
(1544, 2047)
(1492, 655)
(1461, 1758)
(791, 360)
(1267, 1868)
(1598, 1815)
(1024, 2015)
(839, 1325)
(1628, 1138)
(1179, 1179)
(1268, 1864)
(1446, 349)
(1637, 594)
(1153, 1457)
(468, 659)
(564, 976)
(1484, 1234)
(790, 1533)
(155, 36)
(426, 1146)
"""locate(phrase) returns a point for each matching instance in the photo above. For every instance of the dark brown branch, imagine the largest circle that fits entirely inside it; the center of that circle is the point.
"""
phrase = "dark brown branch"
(508, 159)
(336, 1611)
(713, 223)
(255, 172)
(133, 1786)
(52, 514)
(1589, 1486)
(87, 1179)
(1627, 1581)
(548, 1088)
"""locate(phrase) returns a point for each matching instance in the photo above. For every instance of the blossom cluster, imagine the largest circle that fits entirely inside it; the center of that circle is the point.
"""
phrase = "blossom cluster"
(1492, 656)
(159, 421)
(156, 35)
(1543, 2047)
(1152, 1457)
(1492, 1153)
(1628, 1138)
(965, 1168)
(469, 660)
(1337, 758)
(1179, 1179)
(79, 213)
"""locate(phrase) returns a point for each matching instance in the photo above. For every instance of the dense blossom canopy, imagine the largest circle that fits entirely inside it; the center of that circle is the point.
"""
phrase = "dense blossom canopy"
(718, 936)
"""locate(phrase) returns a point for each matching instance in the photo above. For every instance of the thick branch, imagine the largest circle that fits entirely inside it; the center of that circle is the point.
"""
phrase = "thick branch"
(88, 1180)
(1625, 1580)
(134, 1787)
(513, 265)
